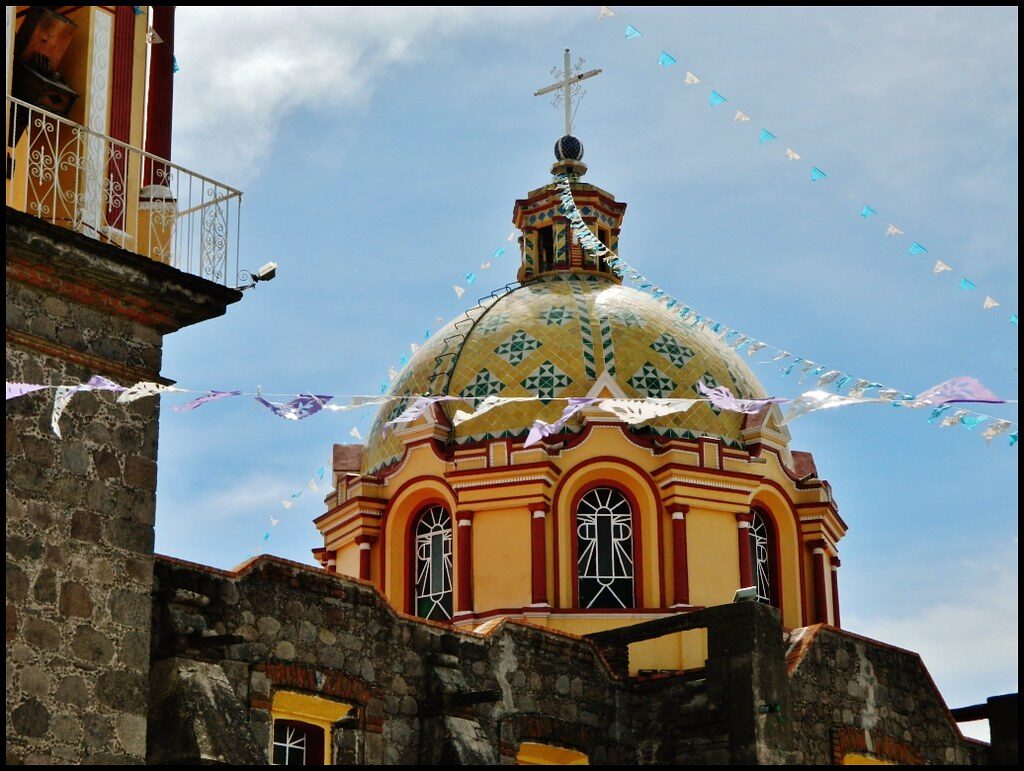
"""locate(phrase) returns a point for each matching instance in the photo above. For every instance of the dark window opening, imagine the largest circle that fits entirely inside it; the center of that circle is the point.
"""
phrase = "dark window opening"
(545, 249)
(298, 744)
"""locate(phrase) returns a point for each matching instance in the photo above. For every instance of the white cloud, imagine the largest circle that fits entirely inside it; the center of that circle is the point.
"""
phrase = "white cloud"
(245, 71)
(968, 641)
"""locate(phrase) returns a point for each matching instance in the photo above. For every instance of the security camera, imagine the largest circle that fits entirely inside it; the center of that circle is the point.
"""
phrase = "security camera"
(267, 272)
(746, 594)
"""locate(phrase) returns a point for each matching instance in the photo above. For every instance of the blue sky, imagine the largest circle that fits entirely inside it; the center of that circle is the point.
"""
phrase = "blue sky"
(381, 151)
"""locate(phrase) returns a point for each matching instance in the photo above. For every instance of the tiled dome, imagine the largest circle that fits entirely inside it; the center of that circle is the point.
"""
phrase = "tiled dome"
(555, 336)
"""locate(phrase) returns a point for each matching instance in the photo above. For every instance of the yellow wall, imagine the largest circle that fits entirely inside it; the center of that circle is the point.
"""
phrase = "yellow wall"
(857, 759)
(712, 552)
(347, 560)
(501, 573)
(533, 754)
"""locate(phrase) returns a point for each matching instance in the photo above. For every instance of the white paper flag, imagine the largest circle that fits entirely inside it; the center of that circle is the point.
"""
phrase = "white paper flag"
(820, 400)
(459, 291)
(60, 402)
(828, 377)
(940, 267)
(485, 265)
(312, 485)
(392, 373)
(273, 522)
(953, 419)
(995, 429)
(488, 404)
(512, 237)
(858, 388)
(605, 12)
(741, 117)
(355, 432)
(889, 394)
(286, 504)
(755, 347)
(153, 38)
(691, 79)
(634, 411)
(140, 390)
(989, 304)
(792, 154)
(808, 366)
(780, 356)
(892, 230)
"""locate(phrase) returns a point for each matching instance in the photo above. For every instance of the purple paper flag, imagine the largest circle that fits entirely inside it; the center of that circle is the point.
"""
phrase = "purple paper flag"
(100, 383)
(302, 406)
(15, 390)
(209, 396)
(540, 429)
(722, 398)
(959, 389)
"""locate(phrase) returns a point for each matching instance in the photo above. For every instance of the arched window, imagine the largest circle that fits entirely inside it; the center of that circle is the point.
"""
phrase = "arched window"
(604, 532)
(762, 558)
(433, 591)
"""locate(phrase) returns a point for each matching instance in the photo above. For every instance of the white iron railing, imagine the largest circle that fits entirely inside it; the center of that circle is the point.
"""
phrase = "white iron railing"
(64, 173)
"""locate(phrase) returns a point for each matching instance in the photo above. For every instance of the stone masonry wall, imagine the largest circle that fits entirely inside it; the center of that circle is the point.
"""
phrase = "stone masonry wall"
(79, 511)
(79, 539)
(852, 694)
(422, 692)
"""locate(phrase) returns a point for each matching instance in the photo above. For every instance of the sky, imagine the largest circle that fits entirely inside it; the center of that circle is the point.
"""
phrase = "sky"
(381, 150)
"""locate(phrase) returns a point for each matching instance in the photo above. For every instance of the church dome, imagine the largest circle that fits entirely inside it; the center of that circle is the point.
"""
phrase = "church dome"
(556, 336)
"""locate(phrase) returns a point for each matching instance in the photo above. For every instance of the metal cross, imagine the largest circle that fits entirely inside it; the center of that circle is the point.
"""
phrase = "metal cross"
(566, 84)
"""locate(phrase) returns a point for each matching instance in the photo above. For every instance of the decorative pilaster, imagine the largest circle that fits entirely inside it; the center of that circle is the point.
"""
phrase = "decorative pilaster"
(120, 112)
(161, 94)
(464, 562)
(538, 555)
(743, 544)
(680, 574)
(835, 592)
(822, 578)
(365, 544)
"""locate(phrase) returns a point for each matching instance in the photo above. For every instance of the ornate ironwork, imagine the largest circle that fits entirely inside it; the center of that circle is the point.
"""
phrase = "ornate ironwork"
(67, 174)
(434, 564)
(760, 559)
(604, 531)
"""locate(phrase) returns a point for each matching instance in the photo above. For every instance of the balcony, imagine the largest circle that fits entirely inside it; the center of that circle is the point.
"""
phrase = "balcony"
(64, 173)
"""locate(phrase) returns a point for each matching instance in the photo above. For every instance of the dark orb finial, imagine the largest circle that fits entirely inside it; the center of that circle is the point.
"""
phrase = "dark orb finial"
(568, 148)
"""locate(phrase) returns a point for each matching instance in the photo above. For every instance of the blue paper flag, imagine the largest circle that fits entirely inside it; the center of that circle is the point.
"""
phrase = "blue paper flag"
(296, 495)
(174, 64)
(967, 284)
(842, 382)
(973, 421)
(666, 60)
(137, 10)
(405, 359)
(383, 387)
(817, 174)
(632, 32)
(937, 412)
(671, 304)
(266, 536)
(716, 98)
(426, 335)
(766, 137)
(916, 248)
(320, 473)
(470, 278)
(1013, 439)
(867, 212)
(499, 251)
(1013, 319)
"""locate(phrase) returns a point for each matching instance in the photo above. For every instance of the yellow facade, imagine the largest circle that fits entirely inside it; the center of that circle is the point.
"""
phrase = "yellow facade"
(693, 478)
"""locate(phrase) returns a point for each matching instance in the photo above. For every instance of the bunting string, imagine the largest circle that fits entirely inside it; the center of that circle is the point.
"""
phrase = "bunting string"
(958, 389)
(815, 173)
(633, 411)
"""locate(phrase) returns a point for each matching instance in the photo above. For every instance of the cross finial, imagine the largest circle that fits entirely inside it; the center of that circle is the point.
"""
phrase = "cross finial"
(568, 80)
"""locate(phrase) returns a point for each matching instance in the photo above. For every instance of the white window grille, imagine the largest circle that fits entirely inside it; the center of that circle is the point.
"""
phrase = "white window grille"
(604, 531)
(434, 564)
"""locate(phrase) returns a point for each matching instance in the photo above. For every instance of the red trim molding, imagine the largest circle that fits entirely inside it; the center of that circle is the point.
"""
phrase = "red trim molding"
(538, 554)
(464, 561)
(680, 569)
